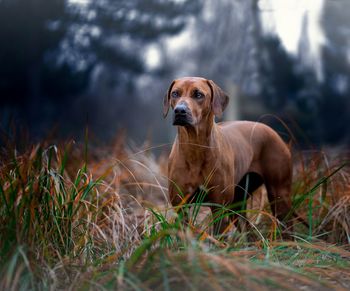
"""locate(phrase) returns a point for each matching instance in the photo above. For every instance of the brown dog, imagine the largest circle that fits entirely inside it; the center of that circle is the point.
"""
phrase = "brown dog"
(228, 159)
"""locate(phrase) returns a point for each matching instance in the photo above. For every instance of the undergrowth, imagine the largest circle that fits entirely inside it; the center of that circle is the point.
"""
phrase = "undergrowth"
(106, 224)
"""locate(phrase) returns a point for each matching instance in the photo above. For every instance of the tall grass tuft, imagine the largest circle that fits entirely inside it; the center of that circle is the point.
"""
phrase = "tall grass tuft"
(322, 195)
(47, 215)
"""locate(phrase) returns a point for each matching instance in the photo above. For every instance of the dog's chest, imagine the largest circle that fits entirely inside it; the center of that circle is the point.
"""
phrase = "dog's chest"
(190, 176)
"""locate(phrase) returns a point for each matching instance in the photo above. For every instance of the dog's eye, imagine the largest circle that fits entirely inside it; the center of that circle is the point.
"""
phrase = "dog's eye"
(175, 94)
(198, 95)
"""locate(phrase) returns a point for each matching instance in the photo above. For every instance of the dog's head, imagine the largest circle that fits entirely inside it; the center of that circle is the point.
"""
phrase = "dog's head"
(193, 99)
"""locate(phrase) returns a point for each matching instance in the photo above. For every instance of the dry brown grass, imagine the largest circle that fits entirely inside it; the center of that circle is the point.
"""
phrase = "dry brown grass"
(124, 234)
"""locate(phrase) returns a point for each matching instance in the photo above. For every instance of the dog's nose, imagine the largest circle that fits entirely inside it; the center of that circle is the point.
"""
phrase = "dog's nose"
(180, 109)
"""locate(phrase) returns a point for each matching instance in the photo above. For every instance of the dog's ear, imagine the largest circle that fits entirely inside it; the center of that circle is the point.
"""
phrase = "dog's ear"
(219, 99)
(166, 100)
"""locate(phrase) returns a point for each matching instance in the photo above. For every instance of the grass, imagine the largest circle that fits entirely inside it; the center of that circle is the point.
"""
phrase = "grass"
(66, 223)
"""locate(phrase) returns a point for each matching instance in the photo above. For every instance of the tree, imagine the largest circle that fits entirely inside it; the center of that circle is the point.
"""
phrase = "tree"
(115, 34)
(29, 30)
(53, 50)
(335, 105)
(288, 84)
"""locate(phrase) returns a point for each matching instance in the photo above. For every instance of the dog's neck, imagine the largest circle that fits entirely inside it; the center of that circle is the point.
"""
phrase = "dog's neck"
(195, 142)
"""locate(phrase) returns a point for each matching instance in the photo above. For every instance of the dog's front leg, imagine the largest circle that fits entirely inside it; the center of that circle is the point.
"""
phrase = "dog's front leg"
(221, 221)
(180, 203)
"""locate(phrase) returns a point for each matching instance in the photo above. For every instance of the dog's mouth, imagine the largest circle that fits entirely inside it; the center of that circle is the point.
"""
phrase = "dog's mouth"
(182, 119)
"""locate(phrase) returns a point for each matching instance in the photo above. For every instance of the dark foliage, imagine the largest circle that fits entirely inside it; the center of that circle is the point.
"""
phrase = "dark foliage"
(51, 49)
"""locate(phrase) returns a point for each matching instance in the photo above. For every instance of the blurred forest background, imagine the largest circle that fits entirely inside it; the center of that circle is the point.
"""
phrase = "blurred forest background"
(107, 64)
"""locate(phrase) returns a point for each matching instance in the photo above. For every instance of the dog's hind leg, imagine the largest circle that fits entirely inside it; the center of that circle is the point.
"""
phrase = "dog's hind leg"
(221, 220)
(280, 203)
(248, 184)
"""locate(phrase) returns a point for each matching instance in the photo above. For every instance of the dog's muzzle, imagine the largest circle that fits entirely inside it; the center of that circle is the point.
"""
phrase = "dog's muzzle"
(182, 115)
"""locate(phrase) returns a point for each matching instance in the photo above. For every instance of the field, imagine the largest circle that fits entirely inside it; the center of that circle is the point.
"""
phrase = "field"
(81, 217)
